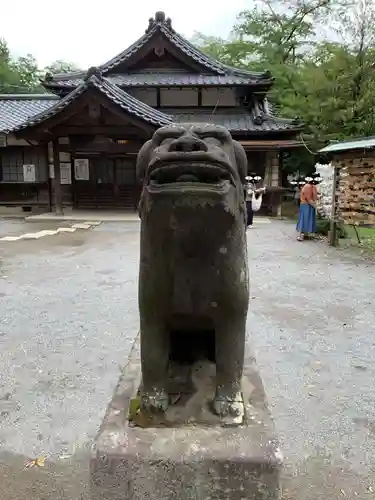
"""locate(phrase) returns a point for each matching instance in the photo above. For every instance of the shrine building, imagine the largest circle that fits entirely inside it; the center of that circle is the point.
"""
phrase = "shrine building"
(76, 145)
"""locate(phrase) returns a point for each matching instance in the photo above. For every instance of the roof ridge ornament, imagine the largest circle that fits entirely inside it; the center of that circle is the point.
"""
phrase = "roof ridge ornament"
(93, 71)
(159, 20)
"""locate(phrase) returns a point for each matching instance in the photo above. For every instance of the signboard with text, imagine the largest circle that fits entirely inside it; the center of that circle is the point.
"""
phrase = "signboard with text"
(81, 169)
(65, 173)
(29, 173)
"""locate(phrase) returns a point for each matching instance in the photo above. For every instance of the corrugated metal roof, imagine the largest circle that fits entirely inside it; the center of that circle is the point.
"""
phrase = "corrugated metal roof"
(358, 143)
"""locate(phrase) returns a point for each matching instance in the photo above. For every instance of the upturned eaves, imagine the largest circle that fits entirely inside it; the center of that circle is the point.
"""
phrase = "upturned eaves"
(125, 101)
(160, 25)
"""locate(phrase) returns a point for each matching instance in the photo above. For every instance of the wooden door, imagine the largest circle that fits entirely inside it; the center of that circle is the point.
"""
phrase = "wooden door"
(104, 178)
(125, 183)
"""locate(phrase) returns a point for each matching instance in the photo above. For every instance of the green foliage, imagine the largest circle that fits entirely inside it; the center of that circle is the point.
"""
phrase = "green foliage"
(60, 66)
(323, 227)
(22, 75)
(321, 54)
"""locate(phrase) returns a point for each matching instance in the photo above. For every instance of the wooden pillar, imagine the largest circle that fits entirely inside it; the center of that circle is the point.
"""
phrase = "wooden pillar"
(272, 179)
(49, 180)
(332, 240)
(57, 179)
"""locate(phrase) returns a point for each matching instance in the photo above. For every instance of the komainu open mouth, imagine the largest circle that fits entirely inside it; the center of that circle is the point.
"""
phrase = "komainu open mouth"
(201, 173)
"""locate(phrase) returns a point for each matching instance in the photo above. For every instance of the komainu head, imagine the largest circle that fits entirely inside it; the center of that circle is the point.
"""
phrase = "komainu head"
(201, 160)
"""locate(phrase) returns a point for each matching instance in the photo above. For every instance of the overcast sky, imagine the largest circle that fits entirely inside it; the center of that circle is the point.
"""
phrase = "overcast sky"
(89, 33)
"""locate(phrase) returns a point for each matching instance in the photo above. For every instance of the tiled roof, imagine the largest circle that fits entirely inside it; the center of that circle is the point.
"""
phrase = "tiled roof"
(115, 94)
(16, 109)
(157, 79)
(21, 111)
(236, 120)
(161, 25)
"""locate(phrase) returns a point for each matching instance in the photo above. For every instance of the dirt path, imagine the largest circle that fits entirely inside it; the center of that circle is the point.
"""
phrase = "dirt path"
(68, 317)
(312, 322)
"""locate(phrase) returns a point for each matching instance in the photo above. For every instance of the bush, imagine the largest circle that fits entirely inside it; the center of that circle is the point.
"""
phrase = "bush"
(323, 227)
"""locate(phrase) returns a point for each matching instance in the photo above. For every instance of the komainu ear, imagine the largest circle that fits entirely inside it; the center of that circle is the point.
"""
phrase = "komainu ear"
(143, 159)
(241, 160)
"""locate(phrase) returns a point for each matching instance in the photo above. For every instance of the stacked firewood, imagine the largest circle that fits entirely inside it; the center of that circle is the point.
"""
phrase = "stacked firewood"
(356, 190)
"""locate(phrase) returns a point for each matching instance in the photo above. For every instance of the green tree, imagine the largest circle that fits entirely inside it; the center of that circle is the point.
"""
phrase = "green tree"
(9, 78)
(29, 74)
(324, 77)
(19, 75)
(61, 66)
(22, 74)
(280, 37)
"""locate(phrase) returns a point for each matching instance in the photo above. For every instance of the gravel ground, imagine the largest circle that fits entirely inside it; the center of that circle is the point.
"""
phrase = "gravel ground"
(68, 318)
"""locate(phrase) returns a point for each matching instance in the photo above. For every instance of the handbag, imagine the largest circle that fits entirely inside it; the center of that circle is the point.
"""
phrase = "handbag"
(256, 203)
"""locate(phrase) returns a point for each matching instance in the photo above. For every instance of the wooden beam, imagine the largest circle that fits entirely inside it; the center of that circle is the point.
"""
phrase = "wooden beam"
(270, 145)
(57, 180)
(102, 148)
(44, 128)
(122, 132)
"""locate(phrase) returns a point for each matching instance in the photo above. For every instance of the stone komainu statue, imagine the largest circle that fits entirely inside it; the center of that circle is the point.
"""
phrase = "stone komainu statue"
(193, 278)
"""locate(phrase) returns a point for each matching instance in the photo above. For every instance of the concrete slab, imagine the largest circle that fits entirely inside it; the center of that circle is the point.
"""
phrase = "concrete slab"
(81, 226)
(39, 234)
(65, 229)
(189, 461)
(15, 227)
(10, 238)
(86, 215)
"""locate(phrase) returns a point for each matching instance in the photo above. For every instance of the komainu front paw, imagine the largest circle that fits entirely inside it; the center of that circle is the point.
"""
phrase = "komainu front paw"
(155, 401)
(230, 409)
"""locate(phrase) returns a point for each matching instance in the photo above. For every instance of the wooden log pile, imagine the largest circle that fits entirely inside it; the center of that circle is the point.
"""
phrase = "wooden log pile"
(356, 190)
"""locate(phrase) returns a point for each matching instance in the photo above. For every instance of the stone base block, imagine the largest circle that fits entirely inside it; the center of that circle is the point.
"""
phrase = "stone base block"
(189, 462)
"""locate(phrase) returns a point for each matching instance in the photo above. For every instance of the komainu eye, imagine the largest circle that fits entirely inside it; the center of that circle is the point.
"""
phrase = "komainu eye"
(212, 140)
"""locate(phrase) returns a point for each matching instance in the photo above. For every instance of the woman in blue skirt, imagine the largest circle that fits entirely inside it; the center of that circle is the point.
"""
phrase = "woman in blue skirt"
(307, 210)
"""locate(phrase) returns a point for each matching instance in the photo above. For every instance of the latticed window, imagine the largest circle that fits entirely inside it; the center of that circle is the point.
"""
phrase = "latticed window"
(12, 173)
(11, 165)
(12, 160)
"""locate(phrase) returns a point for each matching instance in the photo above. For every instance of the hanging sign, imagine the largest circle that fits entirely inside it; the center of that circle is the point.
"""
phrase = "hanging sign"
(81, 169)
(29, 173)
(65, 173)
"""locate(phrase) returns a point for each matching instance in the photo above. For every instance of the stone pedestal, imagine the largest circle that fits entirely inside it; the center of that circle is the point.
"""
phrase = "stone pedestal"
(193, 461)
